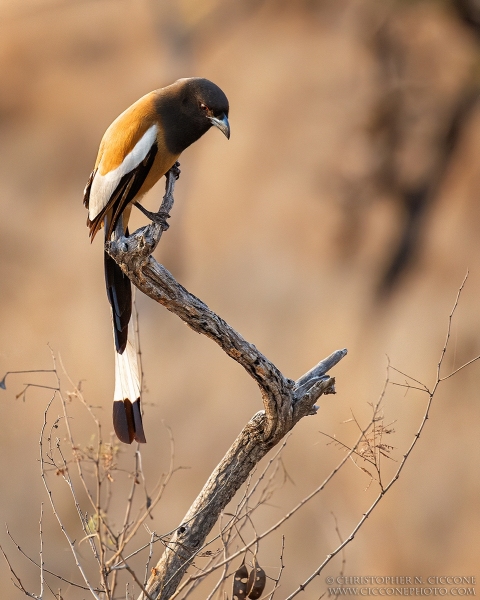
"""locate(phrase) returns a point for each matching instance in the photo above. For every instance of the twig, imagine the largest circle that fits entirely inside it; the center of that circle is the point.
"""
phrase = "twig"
(52, 504)
(147, 564)
(431, 394)
(29, 558)
(16, 581)
(3, 385)
(42, 578)
(137, 581)
(282, 566)
(147, 511)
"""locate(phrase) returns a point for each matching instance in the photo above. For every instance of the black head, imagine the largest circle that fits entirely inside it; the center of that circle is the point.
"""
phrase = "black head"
(188, 108)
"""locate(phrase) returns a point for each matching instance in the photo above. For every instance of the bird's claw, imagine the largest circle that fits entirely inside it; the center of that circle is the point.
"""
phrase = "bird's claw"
(175, 170)
(160, 218)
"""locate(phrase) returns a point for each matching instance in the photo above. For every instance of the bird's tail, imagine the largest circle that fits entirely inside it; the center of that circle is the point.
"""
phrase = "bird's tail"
(127, 415)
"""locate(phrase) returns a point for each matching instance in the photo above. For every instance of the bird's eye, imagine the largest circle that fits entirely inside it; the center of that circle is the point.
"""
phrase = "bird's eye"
(203, 106)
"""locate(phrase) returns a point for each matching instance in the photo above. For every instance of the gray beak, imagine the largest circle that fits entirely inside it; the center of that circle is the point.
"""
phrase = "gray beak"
(222, 124)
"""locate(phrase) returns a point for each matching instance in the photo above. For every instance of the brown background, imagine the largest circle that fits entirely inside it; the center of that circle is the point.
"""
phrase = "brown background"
(339, 113)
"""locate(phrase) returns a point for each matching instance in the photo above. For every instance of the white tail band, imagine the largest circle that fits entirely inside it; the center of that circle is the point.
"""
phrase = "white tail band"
(127, 381)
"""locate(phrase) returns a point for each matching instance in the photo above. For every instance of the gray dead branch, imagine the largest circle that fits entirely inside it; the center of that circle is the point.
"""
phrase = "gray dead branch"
(285, 401)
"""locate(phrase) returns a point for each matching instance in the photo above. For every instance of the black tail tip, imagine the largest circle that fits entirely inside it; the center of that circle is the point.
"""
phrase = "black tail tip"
(127, 421)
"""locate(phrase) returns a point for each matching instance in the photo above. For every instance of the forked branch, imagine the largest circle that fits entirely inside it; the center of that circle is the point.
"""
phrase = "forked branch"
(285, 401)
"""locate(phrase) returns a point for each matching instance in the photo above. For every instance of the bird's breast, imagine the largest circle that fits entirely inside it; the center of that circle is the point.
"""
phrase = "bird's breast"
(164, 161)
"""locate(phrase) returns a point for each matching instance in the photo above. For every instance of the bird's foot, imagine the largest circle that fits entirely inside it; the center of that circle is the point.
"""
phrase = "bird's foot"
(160, 217)
(175, 170)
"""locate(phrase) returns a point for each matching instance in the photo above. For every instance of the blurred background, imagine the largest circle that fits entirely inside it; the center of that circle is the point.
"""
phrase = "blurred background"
(343, 212)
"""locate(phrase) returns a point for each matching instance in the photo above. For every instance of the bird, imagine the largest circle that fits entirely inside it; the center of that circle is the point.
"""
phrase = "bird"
(141, 145)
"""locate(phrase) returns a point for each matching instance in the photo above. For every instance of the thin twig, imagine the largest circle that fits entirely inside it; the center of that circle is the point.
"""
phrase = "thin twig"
(282, 567)
(137, 581)
(16, 581)
(431, 394)
(3, 385)
(42, 578)
(52, 504)
(29, 558)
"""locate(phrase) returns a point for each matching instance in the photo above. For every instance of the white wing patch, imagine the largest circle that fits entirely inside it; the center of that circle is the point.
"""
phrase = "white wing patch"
(103, 186)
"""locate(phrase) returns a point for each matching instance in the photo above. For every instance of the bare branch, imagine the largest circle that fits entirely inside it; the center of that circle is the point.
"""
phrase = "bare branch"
(285, 402)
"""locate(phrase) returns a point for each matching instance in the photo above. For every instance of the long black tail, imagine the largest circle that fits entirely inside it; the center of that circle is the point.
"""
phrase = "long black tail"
(119, 292)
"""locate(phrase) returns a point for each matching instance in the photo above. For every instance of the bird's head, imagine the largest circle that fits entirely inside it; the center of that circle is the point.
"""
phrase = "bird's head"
(188, 108)
(206, 103)
(213, 105)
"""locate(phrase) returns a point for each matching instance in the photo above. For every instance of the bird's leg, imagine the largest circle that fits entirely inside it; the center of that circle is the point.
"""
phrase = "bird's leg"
(160, 217)
(119, 230)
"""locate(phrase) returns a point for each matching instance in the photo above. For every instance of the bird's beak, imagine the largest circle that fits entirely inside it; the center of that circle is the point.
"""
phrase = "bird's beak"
(222, 124)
